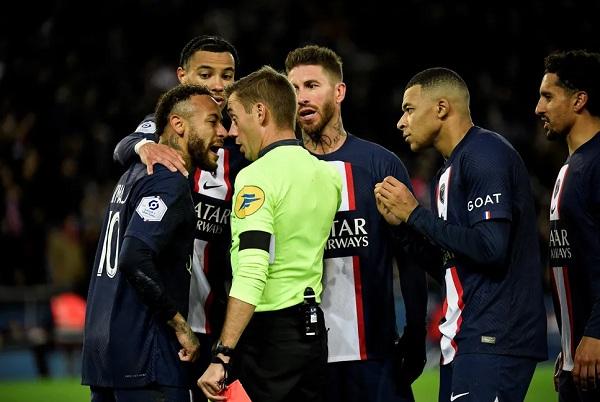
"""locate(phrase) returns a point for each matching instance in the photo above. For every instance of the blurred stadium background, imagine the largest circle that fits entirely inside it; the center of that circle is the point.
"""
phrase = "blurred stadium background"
(75, 77)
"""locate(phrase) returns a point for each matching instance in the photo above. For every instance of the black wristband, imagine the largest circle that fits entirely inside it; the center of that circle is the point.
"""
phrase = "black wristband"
(222, 349)
(218, 360)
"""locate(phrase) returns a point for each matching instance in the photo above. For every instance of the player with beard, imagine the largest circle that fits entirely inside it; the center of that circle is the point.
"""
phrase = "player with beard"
(137, 342)
(358, 299)
(570, 109)
(211, 61)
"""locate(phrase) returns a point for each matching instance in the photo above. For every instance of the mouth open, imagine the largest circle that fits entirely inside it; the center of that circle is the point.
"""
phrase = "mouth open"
(215, 148)
(307, 114)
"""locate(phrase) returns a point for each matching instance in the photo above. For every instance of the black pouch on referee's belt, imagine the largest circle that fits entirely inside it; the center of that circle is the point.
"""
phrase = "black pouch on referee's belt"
(309, 310)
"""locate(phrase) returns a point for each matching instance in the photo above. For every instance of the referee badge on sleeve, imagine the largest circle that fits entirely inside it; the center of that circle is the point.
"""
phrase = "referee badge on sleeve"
(248, 200)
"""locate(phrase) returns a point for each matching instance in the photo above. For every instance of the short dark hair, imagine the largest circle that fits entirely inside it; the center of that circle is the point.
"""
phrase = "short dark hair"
(170, 99)
(577, 70)
(270, 87)
(435, 76)
(439, 76)
(313, 55)
(209, 43)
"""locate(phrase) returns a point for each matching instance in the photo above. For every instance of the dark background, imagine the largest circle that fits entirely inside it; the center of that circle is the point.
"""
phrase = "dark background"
(75, 77)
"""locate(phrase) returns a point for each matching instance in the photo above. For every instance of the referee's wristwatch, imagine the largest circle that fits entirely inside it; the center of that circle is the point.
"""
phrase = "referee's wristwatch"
(222, 349)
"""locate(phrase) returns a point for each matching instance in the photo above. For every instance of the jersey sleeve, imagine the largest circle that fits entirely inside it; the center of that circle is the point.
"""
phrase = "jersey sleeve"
(487, 176)
(252, 211)
(592, 327)
(159, 208)
(124, 152)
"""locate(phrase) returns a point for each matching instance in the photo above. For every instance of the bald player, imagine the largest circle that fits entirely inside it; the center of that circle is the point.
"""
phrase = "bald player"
(483, 220)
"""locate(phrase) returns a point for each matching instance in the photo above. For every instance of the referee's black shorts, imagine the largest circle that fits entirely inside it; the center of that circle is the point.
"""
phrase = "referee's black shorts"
(276, 362)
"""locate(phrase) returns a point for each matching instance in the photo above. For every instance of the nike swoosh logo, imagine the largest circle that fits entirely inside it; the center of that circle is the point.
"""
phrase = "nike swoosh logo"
(207, 187)
(455, 397)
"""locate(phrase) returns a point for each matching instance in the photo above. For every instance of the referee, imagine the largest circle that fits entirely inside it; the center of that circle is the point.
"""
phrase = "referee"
(284, 206)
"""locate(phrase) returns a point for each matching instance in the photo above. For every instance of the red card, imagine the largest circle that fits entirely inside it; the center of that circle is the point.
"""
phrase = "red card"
(235, 392)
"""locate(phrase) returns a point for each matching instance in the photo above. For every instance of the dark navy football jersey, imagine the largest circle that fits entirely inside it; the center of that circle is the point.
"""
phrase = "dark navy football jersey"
(490, 309)
(212, 192)
(575, 247)
(125, 345)
(358, 299)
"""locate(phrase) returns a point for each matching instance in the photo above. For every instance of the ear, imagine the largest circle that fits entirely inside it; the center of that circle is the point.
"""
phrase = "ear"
(260, 112)
(442, 108)
(177, 124)
(180, 74)
(340, 92)
(581, 100)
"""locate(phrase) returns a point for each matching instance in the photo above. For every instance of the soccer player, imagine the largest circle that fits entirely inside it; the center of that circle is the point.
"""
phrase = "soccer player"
(211, 61)
(284, 207)
(358, 299)
(136, 335)
(494, 325)
(568, 106)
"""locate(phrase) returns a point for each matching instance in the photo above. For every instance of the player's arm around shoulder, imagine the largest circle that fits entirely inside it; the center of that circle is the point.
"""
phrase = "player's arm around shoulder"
(126, 151)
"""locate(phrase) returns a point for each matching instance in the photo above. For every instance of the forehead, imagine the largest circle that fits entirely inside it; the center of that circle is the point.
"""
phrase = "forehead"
(233, 103)
(220, 61)
(305, 72)
(550, 81)
(205, 105)
(413, 94)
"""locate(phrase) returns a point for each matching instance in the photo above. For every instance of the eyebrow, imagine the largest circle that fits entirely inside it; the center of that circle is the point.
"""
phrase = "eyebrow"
(209, 67)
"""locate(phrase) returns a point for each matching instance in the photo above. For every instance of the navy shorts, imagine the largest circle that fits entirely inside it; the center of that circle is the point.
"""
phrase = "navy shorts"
(151, 393)
(366, 380)
(486, 377)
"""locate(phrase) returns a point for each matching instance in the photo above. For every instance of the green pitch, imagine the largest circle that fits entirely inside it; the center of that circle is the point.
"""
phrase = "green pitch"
(541, 388)
(69, 390)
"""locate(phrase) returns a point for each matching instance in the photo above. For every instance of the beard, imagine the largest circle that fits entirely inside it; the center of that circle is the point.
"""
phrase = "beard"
(200, 153)
(315, 130)
(554, 135)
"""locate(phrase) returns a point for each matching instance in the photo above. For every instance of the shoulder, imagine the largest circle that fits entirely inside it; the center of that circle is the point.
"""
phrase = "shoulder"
(487, 148)
(164, 179)
(371, 148)
(380, 160)
(590, 153)
(254, 173)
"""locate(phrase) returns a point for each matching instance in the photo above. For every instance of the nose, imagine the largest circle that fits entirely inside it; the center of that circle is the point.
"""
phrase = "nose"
(302, 100)
(539, 108)
(222, 131)
(233, 130)
(401, 125)
(217, 84)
